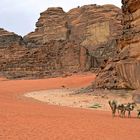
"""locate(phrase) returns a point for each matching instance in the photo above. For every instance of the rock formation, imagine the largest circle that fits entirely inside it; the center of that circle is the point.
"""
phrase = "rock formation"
(79, 40)
(12, 48)
(93, 28)
(124, 70)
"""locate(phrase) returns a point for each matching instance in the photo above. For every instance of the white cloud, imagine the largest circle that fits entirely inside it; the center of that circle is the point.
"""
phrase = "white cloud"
(20, 16)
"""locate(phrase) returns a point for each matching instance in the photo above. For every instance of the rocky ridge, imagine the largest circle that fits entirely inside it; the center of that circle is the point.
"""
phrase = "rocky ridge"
(78, 40)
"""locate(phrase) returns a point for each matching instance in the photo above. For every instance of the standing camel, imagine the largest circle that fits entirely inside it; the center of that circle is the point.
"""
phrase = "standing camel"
(113, 106)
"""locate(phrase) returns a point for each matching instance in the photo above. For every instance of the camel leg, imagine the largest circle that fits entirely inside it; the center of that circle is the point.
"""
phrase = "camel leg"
(129, 114)
(138, 114)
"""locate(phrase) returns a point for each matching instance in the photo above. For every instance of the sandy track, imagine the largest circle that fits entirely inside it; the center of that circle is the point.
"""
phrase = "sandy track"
(26, 119)
(70, 97)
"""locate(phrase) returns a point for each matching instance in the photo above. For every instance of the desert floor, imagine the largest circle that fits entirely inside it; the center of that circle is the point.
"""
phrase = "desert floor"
(23, 118)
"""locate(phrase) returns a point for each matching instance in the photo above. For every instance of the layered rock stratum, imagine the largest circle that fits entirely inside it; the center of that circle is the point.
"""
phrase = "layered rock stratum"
(123, 71)
(79, 40)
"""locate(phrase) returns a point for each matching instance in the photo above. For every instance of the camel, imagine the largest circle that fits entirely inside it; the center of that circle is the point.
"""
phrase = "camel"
(129, 107)
(122, 108)
(113, 106)
(138, 115)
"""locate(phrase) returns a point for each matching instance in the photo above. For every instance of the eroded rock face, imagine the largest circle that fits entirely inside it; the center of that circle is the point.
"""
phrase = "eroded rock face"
(129, 68)
(52, 25)
(12, 48)
(94, 28)
(125, 72)
(78, 40)
(9, 39)
(17, 60)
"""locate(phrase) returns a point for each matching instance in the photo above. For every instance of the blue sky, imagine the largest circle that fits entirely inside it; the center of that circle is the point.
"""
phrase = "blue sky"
(20, 16)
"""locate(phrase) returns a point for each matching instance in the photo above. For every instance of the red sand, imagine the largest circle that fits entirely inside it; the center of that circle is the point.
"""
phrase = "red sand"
(27, 119)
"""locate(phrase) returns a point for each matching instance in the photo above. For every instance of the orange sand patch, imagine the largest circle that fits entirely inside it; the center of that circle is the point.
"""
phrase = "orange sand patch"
(25, 119)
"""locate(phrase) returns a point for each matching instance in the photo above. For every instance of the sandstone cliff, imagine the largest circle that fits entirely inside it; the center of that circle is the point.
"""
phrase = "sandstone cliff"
(129, 67)
(9, 39)
(78, 40)
(124, 70)
(93, 28)
(12, 48)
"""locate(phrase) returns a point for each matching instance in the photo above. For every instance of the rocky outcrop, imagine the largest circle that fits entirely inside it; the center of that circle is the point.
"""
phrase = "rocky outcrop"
(9, 39)
(12, 48)
(17, 60)
(124, 72)
(79, 40)
(93, 28)
(52, 25)
(128, 68)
